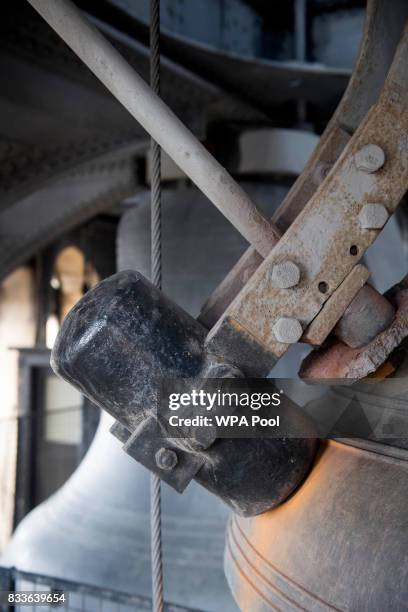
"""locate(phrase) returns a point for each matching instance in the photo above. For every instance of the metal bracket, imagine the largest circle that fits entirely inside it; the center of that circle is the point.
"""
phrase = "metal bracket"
(375, 57)
(327, 238)
(335, 306)
(145, 444)
(148, 442)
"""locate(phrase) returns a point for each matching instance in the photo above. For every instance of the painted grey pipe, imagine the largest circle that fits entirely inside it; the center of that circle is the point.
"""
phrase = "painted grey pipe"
(159, 121)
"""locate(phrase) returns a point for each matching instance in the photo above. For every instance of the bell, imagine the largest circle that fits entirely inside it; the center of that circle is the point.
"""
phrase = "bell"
(340, 542)
(95, 529)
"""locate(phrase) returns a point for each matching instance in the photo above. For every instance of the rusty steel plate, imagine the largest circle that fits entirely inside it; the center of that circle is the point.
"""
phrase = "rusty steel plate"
(335, 306)
(327, 240)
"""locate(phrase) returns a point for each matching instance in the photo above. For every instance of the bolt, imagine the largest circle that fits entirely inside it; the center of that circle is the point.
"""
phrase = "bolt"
(166, 459)
(287, 330)
(370, 158)
(285, 274)
(373, 216)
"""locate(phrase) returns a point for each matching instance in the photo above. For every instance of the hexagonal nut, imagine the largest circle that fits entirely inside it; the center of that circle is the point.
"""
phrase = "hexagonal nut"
(373, 216)
(166, 459)
(370, 158)
(287, 330)
(285, 275)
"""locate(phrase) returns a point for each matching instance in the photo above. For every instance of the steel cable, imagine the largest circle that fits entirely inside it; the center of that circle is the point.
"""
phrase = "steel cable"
(156, 276)
(155, 149)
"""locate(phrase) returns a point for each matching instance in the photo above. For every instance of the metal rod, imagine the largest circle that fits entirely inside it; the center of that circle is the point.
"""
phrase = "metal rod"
(300, 30)
(300, 47)
(156, 276)
(159, 121)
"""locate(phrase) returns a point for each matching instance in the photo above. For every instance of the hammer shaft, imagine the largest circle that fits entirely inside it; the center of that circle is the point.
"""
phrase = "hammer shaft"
(159, 121)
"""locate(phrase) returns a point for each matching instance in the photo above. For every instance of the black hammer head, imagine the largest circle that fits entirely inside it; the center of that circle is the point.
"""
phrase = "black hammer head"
(117, 344)
(120, 339)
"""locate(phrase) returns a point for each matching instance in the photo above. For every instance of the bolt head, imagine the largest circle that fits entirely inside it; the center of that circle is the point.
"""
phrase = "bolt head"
(287, 330)
(370, 158)
(373, 216)
(166, 459)
(285, 275)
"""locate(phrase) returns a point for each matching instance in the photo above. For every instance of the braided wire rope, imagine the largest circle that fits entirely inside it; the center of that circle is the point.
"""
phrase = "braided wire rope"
(156, 276)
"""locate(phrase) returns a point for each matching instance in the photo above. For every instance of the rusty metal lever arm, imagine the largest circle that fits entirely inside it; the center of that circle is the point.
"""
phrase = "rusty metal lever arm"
(375, 57)
(330, 235)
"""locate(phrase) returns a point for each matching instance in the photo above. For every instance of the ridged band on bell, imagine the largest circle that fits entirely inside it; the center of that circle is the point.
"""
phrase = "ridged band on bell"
(115, 346)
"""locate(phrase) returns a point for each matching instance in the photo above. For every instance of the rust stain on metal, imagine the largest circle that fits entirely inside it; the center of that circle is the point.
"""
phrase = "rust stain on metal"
(335, 306)
(342, 362)
(383, 372)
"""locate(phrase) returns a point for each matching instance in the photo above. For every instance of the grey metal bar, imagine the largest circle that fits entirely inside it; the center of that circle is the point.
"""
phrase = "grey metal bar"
(300, 30)
(159, 121)
(300, 47)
